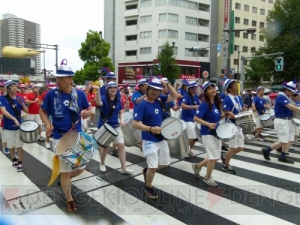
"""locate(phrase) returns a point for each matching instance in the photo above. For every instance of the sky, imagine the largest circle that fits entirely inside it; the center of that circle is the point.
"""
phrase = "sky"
(64, 23)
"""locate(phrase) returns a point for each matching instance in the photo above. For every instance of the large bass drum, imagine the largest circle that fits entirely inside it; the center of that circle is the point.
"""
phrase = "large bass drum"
(179, 147)
(105, 135)
(132, 136)
(246, 120)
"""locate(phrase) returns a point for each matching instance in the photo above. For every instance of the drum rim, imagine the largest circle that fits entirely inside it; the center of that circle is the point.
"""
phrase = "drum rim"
(28, 130)
(168, 119)
(106, 124)
(72, 131)
(228, 138)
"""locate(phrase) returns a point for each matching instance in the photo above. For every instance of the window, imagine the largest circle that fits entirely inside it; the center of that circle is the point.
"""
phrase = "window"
(237, 19)
(245, 62)
(129, 7)
(237, 34)
(245, 49)
(191, 21)
(162, 17)
(235, 61)
(262, 11)
(190, 36)
(160, 2)
(254, 10)
(253, 23)
(168, 33)
(236, 48)
(175, 50)
(175, 3)
(144, 51)
(269, 12)
(146, 3)
(246, 8)
(130, 53)
(246, 22)
(162, 33)
(270, 1)
(145, 19)
(131, 38)
(237, 6)
(146, 34)
(202, 38)
(245, 35)
(253, 37)
(252, 49)
(263, 0)
(261, 38)
(261, 25)
(131, 22)
(172, 17)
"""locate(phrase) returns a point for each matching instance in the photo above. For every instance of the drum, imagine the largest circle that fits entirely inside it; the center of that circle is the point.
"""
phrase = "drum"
(198, 130)
(246, 120)
(29, 132)
(266, 120)
(105, 135)
(296, 122)
(296, 115)
(226, 131)
(272, 113)
(76, 149)
(179, 147)
(132, 136)
(171, 128)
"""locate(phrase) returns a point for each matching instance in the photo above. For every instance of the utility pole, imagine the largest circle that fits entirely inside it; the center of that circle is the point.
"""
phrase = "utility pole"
(229, 38)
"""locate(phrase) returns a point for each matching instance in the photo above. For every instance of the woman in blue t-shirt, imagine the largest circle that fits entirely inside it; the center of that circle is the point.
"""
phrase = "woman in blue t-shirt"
(111, 111)
(208, 115)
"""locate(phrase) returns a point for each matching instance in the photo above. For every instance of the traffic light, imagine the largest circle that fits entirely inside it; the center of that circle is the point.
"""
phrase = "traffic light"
(279, 64)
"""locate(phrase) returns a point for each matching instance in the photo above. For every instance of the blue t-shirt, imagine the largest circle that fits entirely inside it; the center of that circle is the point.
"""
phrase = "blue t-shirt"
(151, 115)
(210, 116)
(188, 114)
(183, 93)
(222, 96)
(8, 123)
(103, 92)
(105, 109)
(63, 124)
(280, 107)
(170, 104)
(228, 105)
(135, 96)
(259, 104)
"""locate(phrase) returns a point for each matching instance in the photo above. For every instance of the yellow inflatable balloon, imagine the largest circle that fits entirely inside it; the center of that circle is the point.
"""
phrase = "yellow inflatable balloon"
(14, 52)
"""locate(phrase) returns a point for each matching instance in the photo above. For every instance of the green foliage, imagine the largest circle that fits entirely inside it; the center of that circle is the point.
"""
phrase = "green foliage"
(94, 52)
(282, 34)
(167, 66)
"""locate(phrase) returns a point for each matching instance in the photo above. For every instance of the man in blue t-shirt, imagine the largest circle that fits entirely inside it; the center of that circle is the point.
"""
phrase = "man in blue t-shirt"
(66, 105)
(169, 105)
(232, 103)
(259, 105)
(190, 104)
(148, 117)
(11, 106)
(284, 109)
(139, 94)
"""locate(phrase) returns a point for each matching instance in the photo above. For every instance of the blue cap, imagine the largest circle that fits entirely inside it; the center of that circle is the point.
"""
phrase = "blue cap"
(290, 86)
(143, 81)
(192, 84)
(207, 84)
(9, 82)
(260, 87)
(110, 75)
(111, 84)
(227, 83)
(155, 83)
(64, 71)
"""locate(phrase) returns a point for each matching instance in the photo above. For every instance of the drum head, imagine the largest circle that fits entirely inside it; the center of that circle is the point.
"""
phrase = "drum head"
(296, 120)
(110, 129)
(66, 142)
(183, 123)
(265, 116)
(226, 130)
(171, 128)
(127, 117)
(29, 126)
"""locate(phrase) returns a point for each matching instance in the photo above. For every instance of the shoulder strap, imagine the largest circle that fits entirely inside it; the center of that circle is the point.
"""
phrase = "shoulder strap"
(110, 111)
(15, 109)
(192, 98)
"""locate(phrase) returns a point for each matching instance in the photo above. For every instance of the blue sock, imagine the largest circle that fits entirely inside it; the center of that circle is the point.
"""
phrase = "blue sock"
(283, 155)
(268, 149)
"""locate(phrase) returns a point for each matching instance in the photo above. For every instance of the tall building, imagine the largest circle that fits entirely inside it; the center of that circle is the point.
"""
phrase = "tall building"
(246, 14)
(16, 32)
(137, 29)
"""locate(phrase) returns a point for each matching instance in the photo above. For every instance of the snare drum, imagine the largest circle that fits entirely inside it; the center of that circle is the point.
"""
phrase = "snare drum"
(105, 135)
(132, 136)
(246, 120)
(296, 122)
(266, 120)
(272, 113)
(171, 128)
(76, 149)
(29, 132)
(226, 131)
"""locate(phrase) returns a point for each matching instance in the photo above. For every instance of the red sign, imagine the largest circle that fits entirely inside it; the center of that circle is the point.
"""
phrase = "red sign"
(205, 74)
(183, 76)
(226, 14)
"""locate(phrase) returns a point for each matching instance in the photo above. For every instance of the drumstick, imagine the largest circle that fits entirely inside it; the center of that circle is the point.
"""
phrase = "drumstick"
(220, 121)
(168, 123)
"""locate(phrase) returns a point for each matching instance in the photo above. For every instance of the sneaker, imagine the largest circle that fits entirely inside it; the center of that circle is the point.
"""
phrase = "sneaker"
(265, 154)
(6, 151)
(15, 164)
(228, 169)
(249, 137)
(224, 148)
(223, 157)
(16, 155)
(71, 206)
(190, 155)
(102, 168)
(41, 140)
(210, 182)
(20, 168)
(151, 192)
(114, 152)
(285, 160)
(144, 173)
(47, 145)
(92, 124)
(196, 170)
(127, 171)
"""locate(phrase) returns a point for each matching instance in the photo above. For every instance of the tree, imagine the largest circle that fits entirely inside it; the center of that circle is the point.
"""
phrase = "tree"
(94, 52)
(167, 66)
(79, 77)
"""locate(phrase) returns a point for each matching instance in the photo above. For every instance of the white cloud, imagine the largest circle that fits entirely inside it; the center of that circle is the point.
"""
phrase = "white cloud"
(64, 23)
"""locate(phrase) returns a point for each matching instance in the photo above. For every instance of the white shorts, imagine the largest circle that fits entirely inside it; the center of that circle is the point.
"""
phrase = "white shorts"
(93, 108)
(285, 130)
(120, 138)
(1, 132)
(258, 123)
(212, 146)
(34, 117)
(64, 168)
(190, 129)
(238, 140)
(12, 138)
(297, 130)
(160, 155)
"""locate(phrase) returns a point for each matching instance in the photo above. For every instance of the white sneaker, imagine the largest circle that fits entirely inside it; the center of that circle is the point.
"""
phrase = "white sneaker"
(127, 171)
(102, 168)
(47, 145)
(249, 137)
(210, 182)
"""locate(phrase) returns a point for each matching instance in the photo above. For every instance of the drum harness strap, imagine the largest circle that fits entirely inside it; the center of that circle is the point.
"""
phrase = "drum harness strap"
(14, 107)
(112, 108)
(166, 110)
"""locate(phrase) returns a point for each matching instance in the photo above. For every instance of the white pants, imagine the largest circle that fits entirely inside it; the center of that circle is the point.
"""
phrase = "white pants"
(12, 138)
(159, 153)
(238, 140)
(285, 130)
(212, 146)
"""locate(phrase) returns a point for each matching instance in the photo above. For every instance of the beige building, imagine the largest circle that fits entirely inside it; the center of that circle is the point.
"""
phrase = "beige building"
(247, 14)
